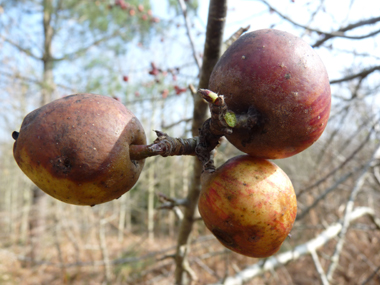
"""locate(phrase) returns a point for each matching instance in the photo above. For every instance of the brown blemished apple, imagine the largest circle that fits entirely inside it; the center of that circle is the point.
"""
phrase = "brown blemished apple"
(280, 81)
(249, 204)
(76, 148)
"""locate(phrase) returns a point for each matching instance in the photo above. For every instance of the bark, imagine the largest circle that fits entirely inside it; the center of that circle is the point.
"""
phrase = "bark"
(212, 50)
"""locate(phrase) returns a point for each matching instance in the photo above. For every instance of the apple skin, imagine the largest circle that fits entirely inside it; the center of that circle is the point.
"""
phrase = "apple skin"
(249, 204)
(279, 78)
(76, 148)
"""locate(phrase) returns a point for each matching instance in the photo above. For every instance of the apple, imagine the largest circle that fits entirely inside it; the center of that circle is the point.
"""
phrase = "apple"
(278, 80)
(76, 148)
(249, 205)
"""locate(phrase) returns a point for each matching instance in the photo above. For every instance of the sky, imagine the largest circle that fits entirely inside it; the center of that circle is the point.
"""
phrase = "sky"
(337, 13)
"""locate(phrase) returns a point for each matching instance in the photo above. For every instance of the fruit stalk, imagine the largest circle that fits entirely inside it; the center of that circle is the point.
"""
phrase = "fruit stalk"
(165, 146)
(221, 123)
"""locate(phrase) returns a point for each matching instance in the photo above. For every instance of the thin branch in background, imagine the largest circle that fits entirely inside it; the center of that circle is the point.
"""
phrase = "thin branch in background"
(346, 219)
(169, 203)
(176, 123)
(319, 8)
(328, 35)
(327, 191)
(32, 80)
(319, 268)
(362, 74)
(334, 133)
(281, 259)
(234, 37)
(206, 268)
(172, 204)
(183, 7)
(20, 48)
(349, 158)
(371, 276)
(104, 248)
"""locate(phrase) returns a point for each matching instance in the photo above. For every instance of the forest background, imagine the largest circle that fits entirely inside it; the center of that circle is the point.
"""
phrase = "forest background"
(146, 53)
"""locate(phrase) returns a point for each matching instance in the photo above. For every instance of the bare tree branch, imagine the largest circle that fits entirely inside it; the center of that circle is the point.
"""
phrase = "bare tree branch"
(77, 53)
(346, 220)
(282, 259)
(182, 4)
(32, 80)
(234, 37)
(349, 158)
(327, 191)
(371, 276)
(361, 74)
(20, 48)
(328, 35)
(319, 268)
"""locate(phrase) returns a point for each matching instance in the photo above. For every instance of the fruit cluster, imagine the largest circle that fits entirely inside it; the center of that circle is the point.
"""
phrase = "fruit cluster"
(277, 89)
(87, 149)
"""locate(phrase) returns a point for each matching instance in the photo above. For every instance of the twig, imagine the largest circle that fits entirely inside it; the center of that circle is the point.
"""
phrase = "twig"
(164, 145)
(176, 123)
(172, 204)
(346, 219)
(234, 37)
(328, 35)
(327, 191)
(371, 276)
(349, 158)
(362, 74)
(169, 203)
(182, 4)
(206, 268)
(294, 254)
(190, 272)
(319, 268)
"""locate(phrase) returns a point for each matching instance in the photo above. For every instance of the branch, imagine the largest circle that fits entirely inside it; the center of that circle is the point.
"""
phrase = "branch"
(214, 38)
(351, 27)
(172, 204)
(75, 54)
(349, 158)
(31, 80)
(328, 35)
(182, 4)
(362, 74)
(346, 220)
(176, 123)
(319, 268)
(282, 259)
(164, 145)
(327, 191)
(22, 49)
(234, 37)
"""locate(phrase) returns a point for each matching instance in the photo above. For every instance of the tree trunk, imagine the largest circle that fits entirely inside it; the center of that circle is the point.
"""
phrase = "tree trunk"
(212, 50)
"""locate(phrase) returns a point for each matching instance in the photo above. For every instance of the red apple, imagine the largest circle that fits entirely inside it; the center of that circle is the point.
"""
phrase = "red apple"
(280, 80)
(249, 204)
